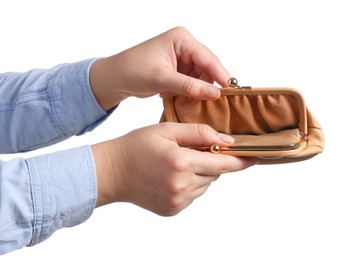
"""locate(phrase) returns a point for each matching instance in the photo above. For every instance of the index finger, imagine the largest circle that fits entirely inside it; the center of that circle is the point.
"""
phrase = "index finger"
(187, 47)
(206, 163)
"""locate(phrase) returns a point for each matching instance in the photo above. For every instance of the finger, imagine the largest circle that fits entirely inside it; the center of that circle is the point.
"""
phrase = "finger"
(190, 135)
(201, 190)
(206, 77)
(187, 47)
(204, 180)
(205, 163)
(211, 67)
(188, 86)
(197, 192)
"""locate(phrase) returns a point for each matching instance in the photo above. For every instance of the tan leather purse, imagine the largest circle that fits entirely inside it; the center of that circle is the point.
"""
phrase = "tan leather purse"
(273, 124)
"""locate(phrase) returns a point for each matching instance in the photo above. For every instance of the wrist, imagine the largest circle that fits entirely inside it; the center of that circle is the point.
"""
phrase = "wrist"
(106, 160)
(106, 83)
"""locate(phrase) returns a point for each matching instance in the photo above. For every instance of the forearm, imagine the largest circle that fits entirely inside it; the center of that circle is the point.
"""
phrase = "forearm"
(42, 107)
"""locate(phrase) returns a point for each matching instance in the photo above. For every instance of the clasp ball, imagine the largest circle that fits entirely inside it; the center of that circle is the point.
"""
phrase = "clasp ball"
(215, 148)
(232, 82)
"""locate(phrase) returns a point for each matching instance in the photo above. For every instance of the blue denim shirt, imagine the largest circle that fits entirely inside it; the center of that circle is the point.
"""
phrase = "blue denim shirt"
(42, 194)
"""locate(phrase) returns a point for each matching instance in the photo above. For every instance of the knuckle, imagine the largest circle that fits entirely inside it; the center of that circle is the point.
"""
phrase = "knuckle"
(223, 169)
(203, 130)
(179, 165)
(187, 86)
(193, 87)
(170, 212)
(176, 204)
(177, 188)
(174, 207)
(180, 30)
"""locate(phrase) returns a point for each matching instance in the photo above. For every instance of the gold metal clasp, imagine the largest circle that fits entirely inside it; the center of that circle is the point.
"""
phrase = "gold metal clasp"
(216, 148)
(233, 83)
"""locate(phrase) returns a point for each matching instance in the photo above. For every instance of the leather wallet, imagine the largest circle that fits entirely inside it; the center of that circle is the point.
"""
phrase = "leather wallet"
(273, 124)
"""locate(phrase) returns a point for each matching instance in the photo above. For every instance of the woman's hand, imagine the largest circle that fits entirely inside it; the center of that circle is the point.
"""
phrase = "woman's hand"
(153, 168)
(173, 61)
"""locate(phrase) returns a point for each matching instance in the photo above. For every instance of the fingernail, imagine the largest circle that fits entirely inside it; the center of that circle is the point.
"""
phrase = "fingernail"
(211, 93)
(226, 138)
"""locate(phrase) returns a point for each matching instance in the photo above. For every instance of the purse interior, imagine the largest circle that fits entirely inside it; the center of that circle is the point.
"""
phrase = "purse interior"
(263, 120)
(241, 114)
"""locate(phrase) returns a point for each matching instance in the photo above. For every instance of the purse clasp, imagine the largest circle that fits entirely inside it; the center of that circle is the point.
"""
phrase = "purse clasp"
(233, 83)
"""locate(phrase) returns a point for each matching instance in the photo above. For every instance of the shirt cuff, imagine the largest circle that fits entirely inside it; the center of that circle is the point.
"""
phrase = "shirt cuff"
(64, 190)
(74, 107)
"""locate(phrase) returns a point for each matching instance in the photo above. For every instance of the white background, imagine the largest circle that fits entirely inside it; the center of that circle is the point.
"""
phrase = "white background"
(296, 211)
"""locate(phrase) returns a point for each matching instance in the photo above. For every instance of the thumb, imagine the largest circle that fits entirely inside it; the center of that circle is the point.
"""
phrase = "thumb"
(188, 86)
(198, 135)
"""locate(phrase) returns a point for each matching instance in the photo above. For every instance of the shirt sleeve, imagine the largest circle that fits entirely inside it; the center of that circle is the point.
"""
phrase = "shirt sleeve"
(42, 194)
(44, 106)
